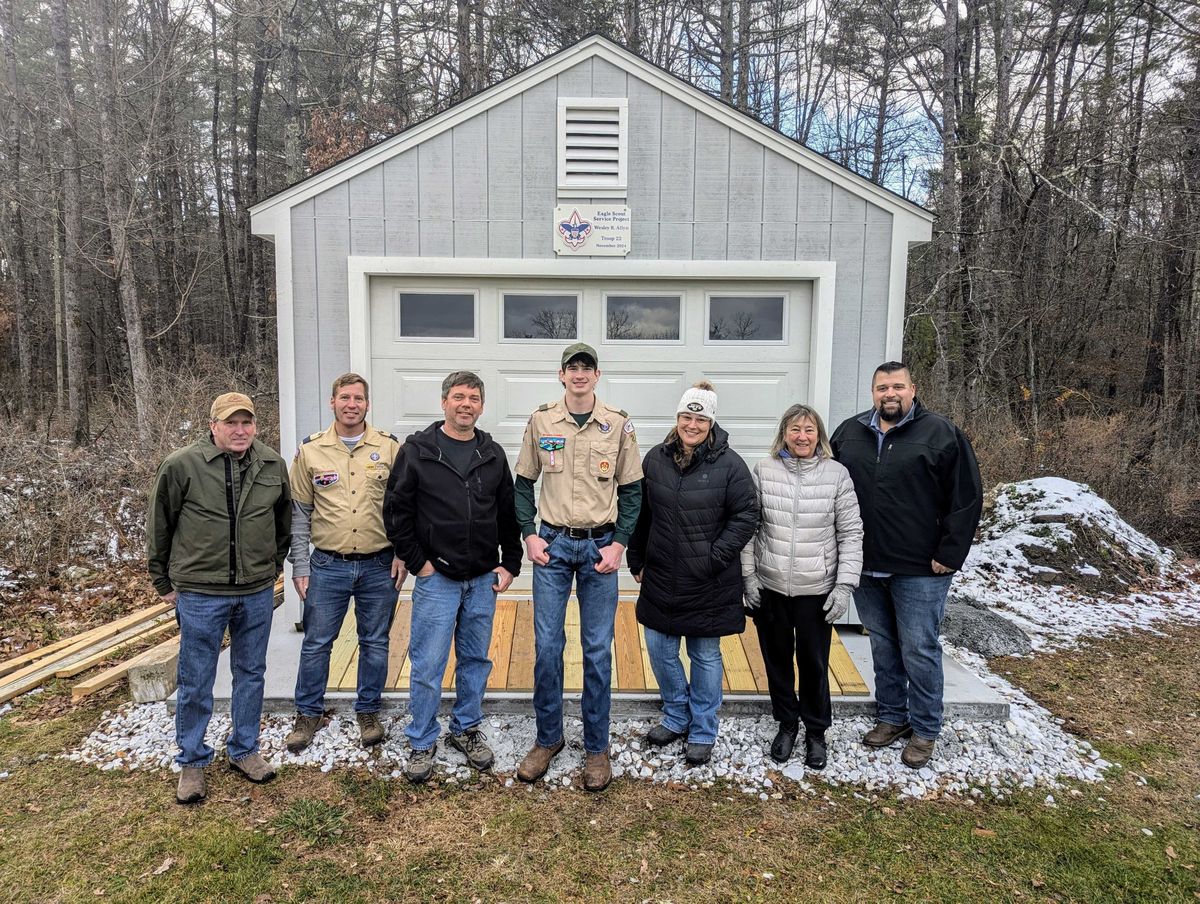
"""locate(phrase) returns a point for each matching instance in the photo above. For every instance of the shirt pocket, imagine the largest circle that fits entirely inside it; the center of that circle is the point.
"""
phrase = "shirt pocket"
(552, 462)
(603, 460)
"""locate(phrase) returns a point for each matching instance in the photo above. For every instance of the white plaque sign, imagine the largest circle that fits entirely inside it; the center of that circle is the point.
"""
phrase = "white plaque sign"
(581, 230)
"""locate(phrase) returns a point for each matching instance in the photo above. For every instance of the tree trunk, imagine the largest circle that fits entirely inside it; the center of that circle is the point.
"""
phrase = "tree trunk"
(76, 338)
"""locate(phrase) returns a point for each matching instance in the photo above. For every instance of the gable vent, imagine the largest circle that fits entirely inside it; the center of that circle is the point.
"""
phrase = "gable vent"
(592, 147)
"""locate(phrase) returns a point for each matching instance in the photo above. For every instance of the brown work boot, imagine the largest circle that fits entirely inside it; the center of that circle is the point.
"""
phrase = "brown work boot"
(253, 768)
(370, 729)
(917, 752)
(191, 788)
(537, 761)
(597, 771)
(885, 733)
(302, 732)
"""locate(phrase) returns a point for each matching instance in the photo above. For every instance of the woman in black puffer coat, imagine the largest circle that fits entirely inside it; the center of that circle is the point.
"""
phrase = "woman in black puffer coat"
(699, 509)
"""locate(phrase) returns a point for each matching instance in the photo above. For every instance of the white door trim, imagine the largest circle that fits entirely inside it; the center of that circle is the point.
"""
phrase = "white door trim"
(360, 269)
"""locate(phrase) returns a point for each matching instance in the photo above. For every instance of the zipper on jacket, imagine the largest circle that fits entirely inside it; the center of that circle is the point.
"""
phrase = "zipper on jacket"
(231, 505)
(795, 512)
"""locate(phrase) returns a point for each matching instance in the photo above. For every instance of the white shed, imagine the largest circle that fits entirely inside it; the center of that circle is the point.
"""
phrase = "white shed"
(594, 197)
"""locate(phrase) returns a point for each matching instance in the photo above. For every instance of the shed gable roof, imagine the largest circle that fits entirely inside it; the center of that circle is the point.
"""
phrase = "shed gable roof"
(264, 213)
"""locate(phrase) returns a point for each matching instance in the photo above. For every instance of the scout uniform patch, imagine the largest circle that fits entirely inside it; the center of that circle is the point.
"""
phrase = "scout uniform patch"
(325, 479)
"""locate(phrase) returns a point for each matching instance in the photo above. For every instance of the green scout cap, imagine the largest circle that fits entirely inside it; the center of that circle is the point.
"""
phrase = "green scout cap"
(580, 349)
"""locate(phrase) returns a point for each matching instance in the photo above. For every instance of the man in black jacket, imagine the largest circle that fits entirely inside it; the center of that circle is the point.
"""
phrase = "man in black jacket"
(449, 508)
(920, 496)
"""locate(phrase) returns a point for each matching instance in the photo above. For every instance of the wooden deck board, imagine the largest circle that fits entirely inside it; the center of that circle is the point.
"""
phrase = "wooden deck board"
(512, 653)
(500, 651)
(630, 673)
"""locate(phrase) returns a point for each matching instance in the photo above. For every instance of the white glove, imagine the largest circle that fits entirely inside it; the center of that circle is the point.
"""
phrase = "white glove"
(752, 597)
(838, 602)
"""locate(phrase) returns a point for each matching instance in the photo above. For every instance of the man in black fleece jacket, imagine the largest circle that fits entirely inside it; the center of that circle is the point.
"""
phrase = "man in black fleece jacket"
(449, 510)
(920, 496)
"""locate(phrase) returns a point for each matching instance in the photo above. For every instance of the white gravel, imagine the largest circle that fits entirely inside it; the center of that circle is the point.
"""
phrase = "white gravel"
(973, 759)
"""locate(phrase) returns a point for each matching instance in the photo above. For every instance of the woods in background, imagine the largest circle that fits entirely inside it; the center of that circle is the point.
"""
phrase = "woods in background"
(1056, 313)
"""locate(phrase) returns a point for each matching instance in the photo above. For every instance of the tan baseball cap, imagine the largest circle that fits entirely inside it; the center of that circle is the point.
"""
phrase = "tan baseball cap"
(226, 404)
(580, 349)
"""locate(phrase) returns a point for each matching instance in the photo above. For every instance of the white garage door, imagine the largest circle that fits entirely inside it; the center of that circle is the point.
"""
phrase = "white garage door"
(751, 340)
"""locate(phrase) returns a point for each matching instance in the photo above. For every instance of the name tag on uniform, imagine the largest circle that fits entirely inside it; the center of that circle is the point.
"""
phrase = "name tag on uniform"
(325, 479)
(552, 444)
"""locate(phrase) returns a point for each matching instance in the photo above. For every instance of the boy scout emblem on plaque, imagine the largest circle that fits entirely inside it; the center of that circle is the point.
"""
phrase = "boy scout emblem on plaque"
(605, 467)
(552, 444)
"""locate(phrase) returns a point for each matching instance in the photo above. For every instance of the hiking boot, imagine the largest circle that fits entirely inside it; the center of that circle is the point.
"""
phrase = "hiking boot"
(191, 788)
(885, 733)
(302, 732)
(917, 752)
(474, 746)
(698, 754)
(785, 741)
(661, 736)
(537, 761)
(370, 729)
(253, 768)
(597, 771)
(815, 755)
(420, 765)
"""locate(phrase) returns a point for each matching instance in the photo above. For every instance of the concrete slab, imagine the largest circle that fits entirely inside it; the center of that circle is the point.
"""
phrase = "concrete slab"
(966, 696)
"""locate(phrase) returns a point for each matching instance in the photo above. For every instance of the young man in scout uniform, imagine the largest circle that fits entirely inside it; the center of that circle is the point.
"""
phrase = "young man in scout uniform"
(217, 531)
(586, 454)
(338, 480)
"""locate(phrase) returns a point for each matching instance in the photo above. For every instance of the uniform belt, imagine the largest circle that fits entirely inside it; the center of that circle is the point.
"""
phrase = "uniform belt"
(352, 556)
(581, 533)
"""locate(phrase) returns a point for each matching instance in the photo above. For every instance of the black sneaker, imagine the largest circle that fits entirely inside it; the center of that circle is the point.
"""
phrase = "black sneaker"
(475, 747)
(420, 765)
(784, 743)
(814, 750)
(661, 736)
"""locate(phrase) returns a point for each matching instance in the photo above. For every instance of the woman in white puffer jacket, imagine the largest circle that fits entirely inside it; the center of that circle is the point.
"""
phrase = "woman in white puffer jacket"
(800, 571)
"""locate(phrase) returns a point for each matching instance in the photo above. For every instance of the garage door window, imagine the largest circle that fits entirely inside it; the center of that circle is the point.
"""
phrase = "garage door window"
(642, 318)
(528, 316)
(746, 318)
(436, 315)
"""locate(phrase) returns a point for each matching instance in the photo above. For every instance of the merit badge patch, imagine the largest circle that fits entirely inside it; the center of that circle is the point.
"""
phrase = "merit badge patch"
(325, 479)
(374, 456)
(552, 444)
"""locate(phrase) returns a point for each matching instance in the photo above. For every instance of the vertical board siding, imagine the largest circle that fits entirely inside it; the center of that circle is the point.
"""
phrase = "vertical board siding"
(697, 189)
(401, 207)
(304, 318)
(645, 157)
(435, 195)
(847, 250)
(539, 171)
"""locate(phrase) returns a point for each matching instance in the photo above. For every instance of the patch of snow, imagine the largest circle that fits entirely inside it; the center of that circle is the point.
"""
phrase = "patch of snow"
(998, 572)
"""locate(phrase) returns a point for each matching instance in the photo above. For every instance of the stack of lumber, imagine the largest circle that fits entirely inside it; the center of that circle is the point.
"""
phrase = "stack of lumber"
(73, 655)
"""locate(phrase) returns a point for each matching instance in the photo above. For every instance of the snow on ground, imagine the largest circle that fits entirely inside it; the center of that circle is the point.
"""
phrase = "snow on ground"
(1059, 562)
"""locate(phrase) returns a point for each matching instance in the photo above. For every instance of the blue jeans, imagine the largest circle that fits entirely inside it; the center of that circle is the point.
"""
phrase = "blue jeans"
(687, 709)
(445, 609)
(903, 614)
(330, 586)
(203, 618)
(597, 593)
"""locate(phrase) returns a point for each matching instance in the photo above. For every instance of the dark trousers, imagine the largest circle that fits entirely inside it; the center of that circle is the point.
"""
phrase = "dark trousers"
(795, 637)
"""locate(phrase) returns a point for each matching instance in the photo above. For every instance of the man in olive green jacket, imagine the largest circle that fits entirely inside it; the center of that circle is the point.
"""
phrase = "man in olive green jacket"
(217, 534)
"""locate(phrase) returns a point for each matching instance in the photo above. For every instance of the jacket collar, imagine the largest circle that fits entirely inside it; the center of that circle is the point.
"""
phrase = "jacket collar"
(426, 442)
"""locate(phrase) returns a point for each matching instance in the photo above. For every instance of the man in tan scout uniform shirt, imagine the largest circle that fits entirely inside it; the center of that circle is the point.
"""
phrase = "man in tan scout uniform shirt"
(586, 454)
(338, 479)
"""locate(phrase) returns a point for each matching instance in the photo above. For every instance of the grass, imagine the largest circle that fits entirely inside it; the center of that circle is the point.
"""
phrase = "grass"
(70, 833)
